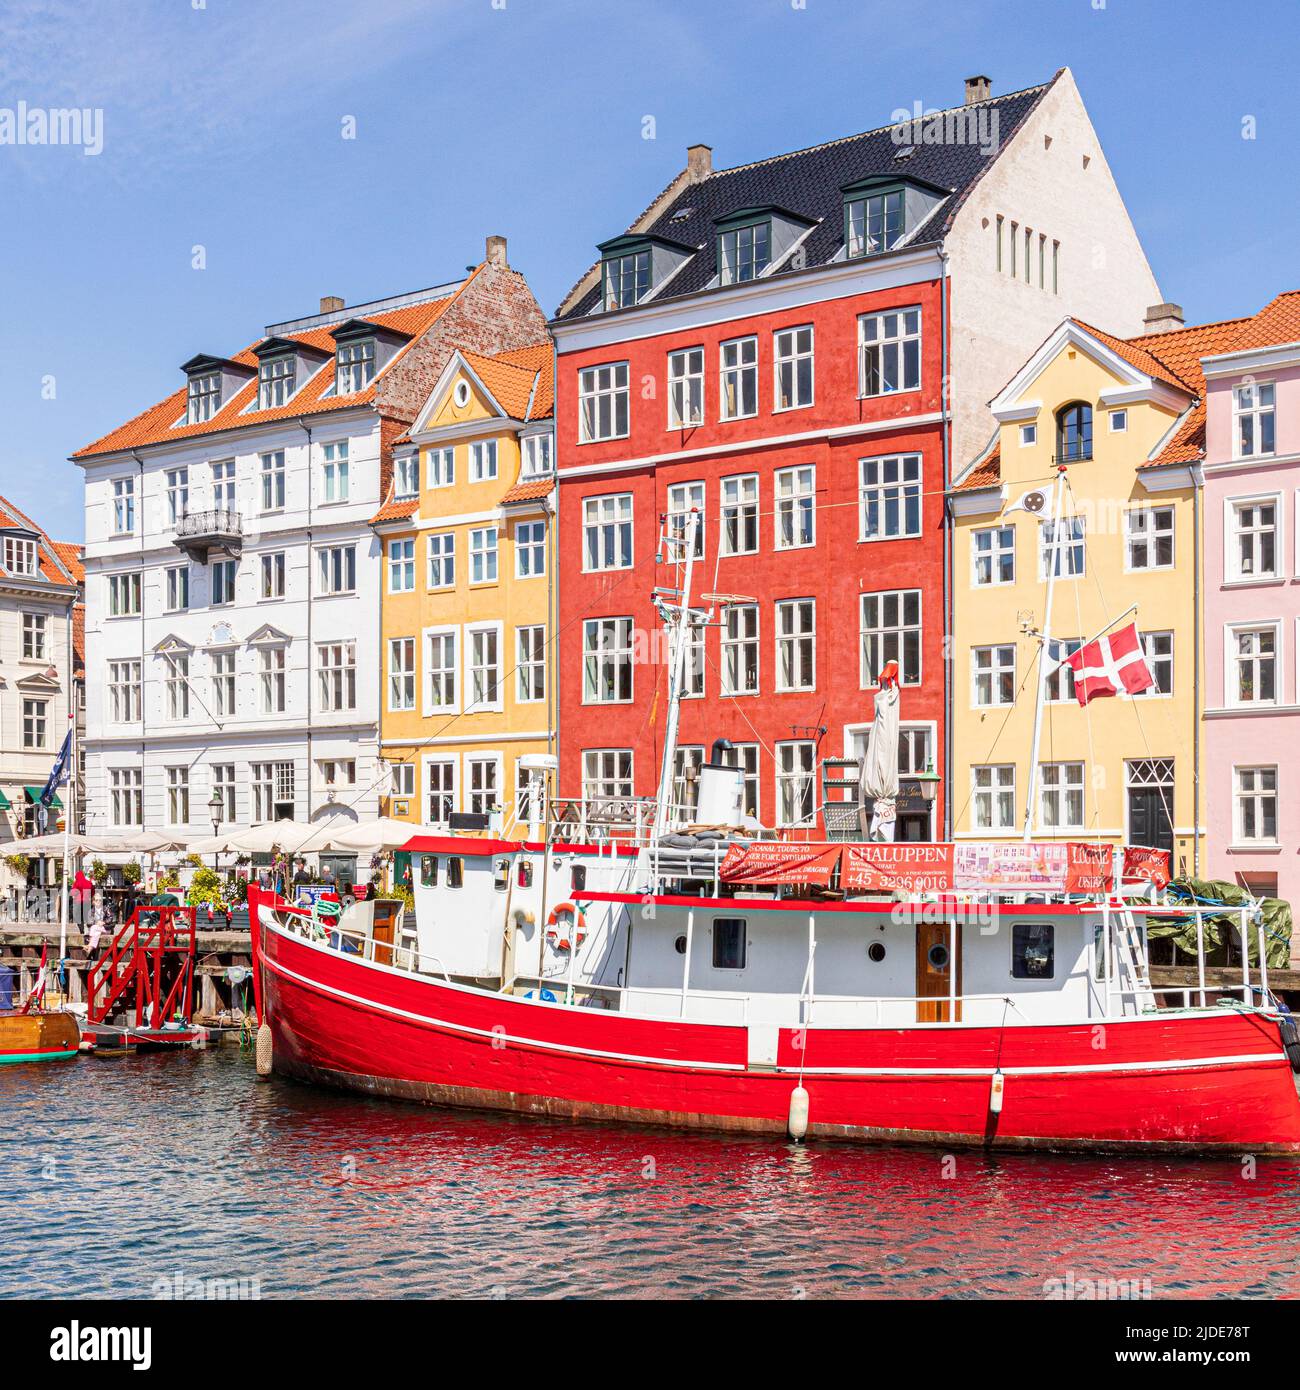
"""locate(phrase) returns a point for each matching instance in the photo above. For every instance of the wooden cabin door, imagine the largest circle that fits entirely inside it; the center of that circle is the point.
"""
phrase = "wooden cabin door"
(385, 923)
(933, 946)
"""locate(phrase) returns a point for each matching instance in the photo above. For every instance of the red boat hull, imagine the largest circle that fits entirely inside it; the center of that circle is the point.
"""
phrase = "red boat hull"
(1214, 1080)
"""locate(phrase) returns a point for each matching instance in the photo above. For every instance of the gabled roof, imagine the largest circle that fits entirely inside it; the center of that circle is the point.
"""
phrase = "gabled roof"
(1175, 358)
(59, 562)
(810, 184)
(165, 421)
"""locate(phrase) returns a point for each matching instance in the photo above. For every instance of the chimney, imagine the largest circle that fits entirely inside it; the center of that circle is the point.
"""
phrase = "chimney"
(1164, 318)
(699, 163)
(496, 250)
(330, 303)
(978, 89)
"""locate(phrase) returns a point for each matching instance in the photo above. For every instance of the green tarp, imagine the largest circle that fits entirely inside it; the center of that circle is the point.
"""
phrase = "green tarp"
(1221, 927)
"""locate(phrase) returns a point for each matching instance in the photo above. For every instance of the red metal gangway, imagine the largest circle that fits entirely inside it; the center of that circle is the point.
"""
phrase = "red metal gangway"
(153, 950)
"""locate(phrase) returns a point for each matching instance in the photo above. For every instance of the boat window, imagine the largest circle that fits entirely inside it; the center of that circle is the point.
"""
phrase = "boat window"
(876, 951)
(680, 945)
(525, 873)
(455, 872)
(1098, 951)
(579, 877)
(502, 880)
(1033, 951)
(729, 943)
(938, 956)
(428, 870)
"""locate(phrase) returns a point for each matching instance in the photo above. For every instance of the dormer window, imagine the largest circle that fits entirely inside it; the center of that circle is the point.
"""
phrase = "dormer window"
(275, 378)
(1074, 432)
(355, 368)
(744, 253)
(20, 556)
(627, 279)
(538, 452)
(874, 222)
(203, 397)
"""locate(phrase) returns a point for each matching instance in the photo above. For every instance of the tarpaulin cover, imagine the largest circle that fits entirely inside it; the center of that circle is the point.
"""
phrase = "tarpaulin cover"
(1222, 927)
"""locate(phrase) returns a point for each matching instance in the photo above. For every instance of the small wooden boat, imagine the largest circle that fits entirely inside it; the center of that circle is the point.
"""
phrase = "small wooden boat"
(39, 1036)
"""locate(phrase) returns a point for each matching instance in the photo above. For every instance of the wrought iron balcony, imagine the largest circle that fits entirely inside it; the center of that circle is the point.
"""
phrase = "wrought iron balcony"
(218, 528)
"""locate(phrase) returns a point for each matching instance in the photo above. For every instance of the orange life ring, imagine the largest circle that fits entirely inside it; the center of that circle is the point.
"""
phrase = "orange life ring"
(553, 931)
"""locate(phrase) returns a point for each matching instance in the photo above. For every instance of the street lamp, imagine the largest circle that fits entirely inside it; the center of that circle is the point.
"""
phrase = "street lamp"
(215, 808)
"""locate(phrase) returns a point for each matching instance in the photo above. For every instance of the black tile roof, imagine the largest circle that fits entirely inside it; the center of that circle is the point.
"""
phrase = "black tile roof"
(809, 182)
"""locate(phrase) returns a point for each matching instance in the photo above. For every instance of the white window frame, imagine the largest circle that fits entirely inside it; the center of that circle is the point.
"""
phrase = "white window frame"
(789, 754)
(337, 570)
(486, 758)
(401, 565)
(610, 516)
(530, 664)
(336, 676)
(682, 498)
(739, 502)
(273, 567)
(483, 461)
(608, 782)
(274, 481)
(1154, 661)
(743, 369)
(441, 466)
(1075, 547)
(992, 664)
(610, 643)
(874, 334)
(530, 545)
(225, 687)
(736, 645)
(449, 796)
(686, 388)
(483, 556)
(794, 640)
(178, 796)
(1145, 536)
(406, 484)
(998, 551)
(335, 473)
(1232, 632)
(222, 592)
(178, 493)
(1057, 779)
(788, 355)
(1232, 532)
(888, 481)
(993, 800)
(435, 676)
(537, 454)
(440, 559)
(794, 492)
(1248, 405)
(891, 637)
(1257, 795)
(273, 677)
(604, 403)
(402, 679)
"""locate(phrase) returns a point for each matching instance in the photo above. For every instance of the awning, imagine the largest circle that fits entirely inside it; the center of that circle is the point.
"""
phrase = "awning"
(34, 795)
(4, 803)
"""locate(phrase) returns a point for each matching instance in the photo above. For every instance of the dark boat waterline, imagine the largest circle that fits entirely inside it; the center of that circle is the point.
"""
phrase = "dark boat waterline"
(133, 1178)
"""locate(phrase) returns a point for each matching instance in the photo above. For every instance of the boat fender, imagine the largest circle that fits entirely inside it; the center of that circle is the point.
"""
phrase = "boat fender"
(556, 934)
(1290, 1040)
(995, 1092)
(524, 918)
(263, 1052)
(797, 1124)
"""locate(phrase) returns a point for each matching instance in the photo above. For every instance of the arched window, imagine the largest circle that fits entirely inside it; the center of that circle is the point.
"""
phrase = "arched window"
(1074, 432)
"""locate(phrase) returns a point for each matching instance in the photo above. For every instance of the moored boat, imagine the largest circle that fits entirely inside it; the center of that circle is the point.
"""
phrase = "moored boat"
(39, 1036)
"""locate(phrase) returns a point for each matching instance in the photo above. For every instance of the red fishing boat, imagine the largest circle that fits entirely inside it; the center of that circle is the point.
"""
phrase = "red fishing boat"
(657, 963)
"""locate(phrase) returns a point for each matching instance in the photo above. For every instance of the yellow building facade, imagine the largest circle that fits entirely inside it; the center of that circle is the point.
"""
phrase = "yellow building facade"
(1120, 769)
(469, 592)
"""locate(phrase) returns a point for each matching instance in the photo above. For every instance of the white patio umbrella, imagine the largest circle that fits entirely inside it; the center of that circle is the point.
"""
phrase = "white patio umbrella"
(52, 843)
(373, 835)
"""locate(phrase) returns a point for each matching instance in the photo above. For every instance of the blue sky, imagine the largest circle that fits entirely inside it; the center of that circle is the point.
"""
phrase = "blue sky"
(223, 124)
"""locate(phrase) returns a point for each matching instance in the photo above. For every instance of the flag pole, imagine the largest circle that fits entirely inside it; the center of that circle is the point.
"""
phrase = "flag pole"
(67, 825)
(1045, 637)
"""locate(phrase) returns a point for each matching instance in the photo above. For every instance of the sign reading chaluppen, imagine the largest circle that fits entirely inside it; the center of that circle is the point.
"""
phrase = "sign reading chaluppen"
(1037, 866)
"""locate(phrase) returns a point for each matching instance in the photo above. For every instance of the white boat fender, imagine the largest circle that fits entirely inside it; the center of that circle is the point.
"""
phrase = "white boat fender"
(995, 1092)
(263, 1051)
(797, 1123)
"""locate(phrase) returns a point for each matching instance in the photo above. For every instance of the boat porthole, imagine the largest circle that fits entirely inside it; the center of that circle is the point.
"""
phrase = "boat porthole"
(680, 945)
(938, 956)
(876, 951)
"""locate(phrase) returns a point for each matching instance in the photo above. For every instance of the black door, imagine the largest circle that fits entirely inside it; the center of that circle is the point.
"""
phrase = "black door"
(1148, 817)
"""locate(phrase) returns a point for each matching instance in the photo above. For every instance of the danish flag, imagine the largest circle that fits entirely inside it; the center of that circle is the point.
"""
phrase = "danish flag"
(1110, 666)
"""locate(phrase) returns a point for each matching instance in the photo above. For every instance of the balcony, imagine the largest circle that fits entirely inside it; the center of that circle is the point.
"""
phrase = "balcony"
(219, 528)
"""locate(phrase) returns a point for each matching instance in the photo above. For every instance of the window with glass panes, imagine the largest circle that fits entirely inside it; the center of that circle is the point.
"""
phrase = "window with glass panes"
(223, 682)
(338, 569)
(687, 762)
(890, 630)
(993, 675)
(1060, 796)
(1069, 549)
(627, 279)
(202, 397)
(607, 532)
(603, 402)
(484, 774)
(440, 784)
(483, 555)
(889, 352)
(792, 350)
(607, 661)
(739, 378)
(1255, 665)
(178, 795)
(683, 499)
(123, 595)
(272, 673)
(1255, 795)
(178, 493)
(993, 796)
(123, 508)
(530, 663)
(1255, 546)
(126, 795)
(178, 588)
(441, 671)
(606, 773)
(401, 673)
(275, 379)
(530, 549)
(273, 481)
(124, 691)
(483, 461)
(223, 576)
(745, 757)
(744, 253)
(401, 565)
(1060, 678)
(354, 366)
(223, 785)
(686, 388)
(442, 466)
(1149, 537)
(35, 629)
(336, 676)
(874, 223)
(538, 455)
(739, 498)
(272, 566)
(1253, 415)
(176, 680)
(795, 789)
(484, 666)
(889, 497)
(334, 471)
(34, 723)
(796, 644)
(1158, 653)
(223, 485)
(406, 481)
(442, 560)
(796, 502)
(740, 659)
(993, 555)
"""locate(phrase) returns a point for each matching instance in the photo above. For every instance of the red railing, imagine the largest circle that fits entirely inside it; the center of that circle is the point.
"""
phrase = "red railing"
(153, 950)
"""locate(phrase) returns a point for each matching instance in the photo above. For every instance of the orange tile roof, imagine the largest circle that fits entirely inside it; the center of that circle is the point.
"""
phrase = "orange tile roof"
(986, 473)
(1175, 357)
(159, 424)
(78, 639)
(521, 381)
(528, 490)
(396, 509)
(60, 561)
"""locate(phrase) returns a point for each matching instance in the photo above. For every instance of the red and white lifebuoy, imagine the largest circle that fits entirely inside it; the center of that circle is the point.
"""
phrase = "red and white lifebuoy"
(557, 934)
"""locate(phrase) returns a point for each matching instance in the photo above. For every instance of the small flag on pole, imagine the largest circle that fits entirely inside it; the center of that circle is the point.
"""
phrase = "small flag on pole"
(1111, 665)
(58, 773)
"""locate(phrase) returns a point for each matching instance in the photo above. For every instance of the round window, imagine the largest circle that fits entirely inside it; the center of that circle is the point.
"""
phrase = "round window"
(938, 956)
(876, 951)
(680, 945)
(461, 394)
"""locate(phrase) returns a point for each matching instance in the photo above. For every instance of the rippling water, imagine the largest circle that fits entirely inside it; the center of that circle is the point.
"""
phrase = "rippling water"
(116, 1173)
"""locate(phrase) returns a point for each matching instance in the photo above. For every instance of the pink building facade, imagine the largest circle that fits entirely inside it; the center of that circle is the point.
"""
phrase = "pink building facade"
(1251, 724)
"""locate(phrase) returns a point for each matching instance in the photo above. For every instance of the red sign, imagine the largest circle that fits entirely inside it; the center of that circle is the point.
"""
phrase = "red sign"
(884, 868)
(774, 862)
(1089, 868)
(1146, 865)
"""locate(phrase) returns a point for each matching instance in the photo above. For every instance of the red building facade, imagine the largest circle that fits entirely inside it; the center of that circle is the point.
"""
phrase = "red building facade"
(821, 507)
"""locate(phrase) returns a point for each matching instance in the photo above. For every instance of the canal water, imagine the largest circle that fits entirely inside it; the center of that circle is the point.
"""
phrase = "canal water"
(148, 1176)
